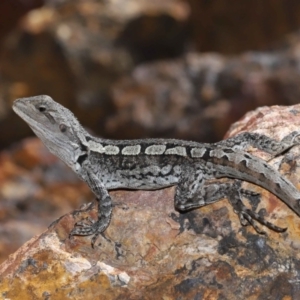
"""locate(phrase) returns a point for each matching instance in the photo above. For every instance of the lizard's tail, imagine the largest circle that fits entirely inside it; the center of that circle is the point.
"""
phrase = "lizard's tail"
(244, 166)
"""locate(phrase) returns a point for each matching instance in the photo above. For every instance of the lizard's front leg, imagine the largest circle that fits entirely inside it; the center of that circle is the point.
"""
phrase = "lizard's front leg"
(104, 211)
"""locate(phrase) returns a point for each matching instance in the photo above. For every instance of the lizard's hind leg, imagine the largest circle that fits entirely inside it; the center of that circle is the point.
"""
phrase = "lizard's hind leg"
(197, 187)
(187, 197)
(246, 215)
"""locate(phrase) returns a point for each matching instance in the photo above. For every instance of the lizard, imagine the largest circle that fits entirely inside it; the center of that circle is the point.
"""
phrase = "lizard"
(150, 164)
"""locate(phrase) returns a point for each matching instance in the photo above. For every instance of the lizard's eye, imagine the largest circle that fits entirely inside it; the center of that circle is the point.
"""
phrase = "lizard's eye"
(62, 127)
(41, 108)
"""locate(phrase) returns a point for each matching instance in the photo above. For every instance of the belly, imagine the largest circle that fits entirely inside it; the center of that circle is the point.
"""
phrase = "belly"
(149, 178)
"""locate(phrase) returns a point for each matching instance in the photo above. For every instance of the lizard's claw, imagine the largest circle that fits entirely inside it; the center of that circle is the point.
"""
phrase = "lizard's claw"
(247, 217)
(88, 221)
(87, 227)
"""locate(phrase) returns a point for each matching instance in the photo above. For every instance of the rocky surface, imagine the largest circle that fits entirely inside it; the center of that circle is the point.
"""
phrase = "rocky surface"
(151, 251)
(35, 189)
(128, 71)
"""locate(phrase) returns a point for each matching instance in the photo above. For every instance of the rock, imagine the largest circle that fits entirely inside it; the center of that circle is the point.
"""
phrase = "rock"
(35, 188)
(151, 251)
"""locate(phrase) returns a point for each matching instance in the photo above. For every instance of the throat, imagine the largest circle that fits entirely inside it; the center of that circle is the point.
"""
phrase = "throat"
(81, 157)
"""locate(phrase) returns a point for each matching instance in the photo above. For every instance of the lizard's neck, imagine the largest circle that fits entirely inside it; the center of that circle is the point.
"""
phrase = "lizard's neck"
(71, 151)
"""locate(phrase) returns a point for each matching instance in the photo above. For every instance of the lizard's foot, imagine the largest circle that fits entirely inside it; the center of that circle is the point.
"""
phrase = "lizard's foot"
(248, 193)
(86, 207)
(86, 227)
(247, 216)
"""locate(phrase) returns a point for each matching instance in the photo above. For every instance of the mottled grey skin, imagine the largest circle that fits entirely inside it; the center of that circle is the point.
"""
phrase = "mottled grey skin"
(156, 163)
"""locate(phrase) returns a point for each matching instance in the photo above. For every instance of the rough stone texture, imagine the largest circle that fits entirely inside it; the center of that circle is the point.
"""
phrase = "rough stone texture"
(151, 251)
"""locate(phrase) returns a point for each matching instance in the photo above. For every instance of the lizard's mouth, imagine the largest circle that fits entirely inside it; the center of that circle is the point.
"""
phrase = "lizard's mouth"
(21, 109)
(27, 112)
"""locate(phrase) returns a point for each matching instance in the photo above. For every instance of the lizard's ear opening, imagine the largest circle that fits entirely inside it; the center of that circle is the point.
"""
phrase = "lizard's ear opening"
(63, 127)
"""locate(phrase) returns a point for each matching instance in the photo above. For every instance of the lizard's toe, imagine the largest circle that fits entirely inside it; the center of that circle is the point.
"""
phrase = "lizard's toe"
(85, 222)
(84, 229)
(93, 228)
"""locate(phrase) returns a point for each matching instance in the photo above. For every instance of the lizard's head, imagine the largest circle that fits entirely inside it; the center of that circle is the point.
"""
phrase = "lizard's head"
(55, 125)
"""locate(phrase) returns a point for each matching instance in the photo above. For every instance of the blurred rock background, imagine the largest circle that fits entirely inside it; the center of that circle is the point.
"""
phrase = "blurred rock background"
(131, 69)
